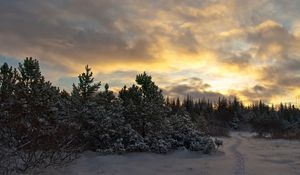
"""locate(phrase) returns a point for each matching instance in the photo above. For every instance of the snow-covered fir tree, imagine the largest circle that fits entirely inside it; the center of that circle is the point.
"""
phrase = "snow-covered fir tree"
(99, 118)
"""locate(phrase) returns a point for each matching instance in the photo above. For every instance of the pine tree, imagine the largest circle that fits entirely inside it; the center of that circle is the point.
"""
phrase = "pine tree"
(33, 126)
(83, 108)
(82, 101)
(178, 103)
(86, 86)
(7, 101)
(7, 81)
(144, 104)
(105, 98)
(38, 98)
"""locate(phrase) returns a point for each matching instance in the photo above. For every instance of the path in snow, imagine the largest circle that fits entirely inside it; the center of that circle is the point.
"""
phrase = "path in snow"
(239, 166)
(240, 155)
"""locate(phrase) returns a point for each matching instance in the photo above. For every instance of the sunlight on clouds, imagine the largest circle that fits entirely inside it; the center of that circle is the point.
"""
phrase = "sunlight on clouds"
(233, 46)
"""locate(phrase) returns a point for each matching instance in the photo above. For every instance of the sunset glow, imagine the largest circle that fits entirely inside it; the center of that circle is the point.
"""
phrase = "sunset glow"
(207, 48)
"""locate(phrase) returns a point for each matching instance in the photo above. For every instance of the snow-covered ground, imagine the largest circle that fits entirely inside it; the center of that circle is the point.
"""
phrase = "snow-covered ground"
(241, 154)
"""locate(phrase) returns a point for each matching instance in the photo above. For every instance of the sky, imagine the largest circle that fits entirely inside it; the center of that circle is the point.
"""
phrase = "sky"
(205, 48)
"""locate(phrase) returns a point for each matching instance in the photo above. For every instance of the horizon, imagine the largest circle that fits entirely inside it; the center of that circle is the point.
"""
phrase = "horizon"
(210, 49)
(183, 97)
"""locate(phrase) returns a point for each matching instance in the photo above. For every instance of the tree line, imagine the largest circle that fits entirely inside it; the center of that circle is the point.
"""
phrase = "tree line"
(41, 126)
(218, 118)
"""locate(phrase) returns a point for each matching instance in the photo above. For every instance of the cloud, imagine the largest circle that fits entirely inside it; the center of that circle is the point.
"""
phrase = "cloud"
(241, 60)
(284, 75)
(250, 46)
(104, 32)
(261, 92)
(192, 86)
(93, 32)
(272, 59)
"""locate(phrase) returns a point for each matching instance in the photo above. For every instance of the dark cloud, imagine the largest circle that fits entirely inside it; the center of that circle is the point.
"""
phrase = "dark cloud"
(187, 42)
(262, 92)
(269, 35)
(183, 90)
(281, 75)
(193, 81)
(291, 65)
(241, 60)
(259, 88)
(195, 88)
(88, 32)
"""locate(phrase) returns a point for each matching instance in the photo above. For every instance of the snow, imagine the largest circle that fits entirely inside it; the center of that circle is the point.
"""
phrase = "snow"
(241, 154)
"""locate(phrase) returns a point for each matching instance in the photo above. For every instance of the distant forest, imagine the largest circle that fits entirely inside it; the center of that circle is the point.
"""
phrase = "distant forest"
(41, 126)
